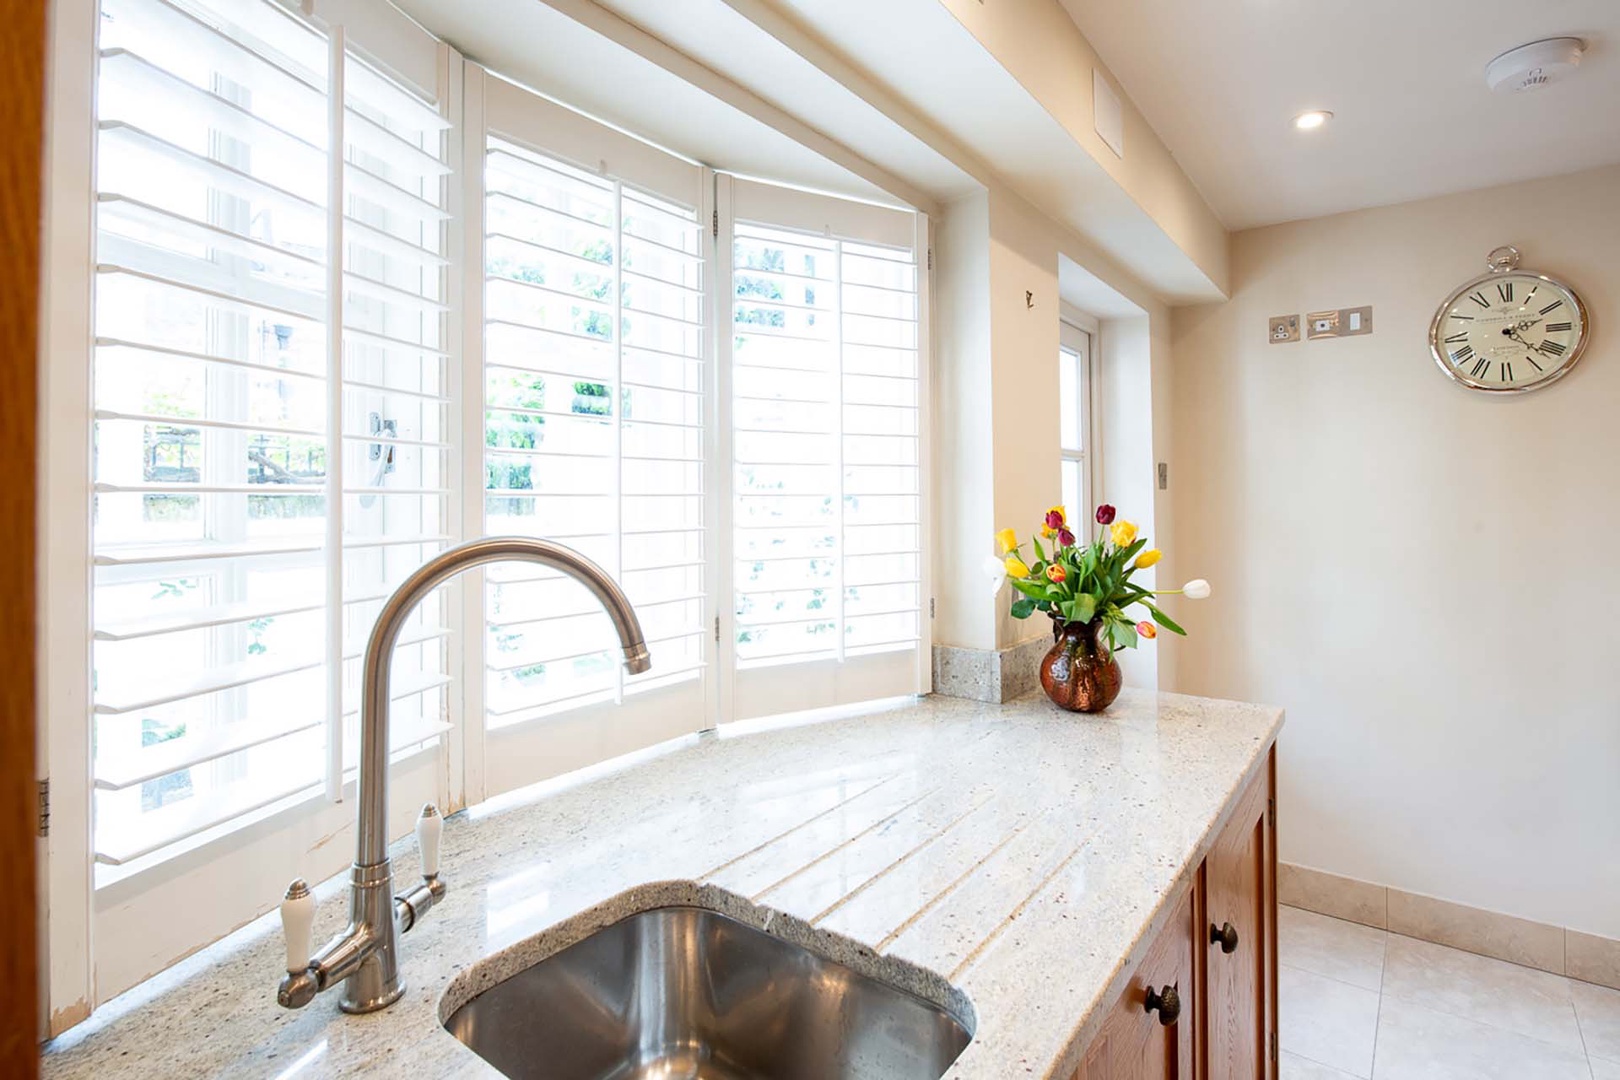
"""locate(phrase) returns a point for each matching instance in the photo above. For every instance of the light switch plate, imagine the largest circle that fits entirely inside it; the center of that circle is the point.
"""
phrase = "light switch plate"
(1344, 322)
(1321, 324)
(1284, 328)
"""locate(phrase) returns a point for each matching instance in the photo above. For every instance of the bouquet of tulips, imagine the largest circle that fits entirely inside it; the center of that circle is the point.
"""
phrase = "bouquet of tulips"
(1076, 583)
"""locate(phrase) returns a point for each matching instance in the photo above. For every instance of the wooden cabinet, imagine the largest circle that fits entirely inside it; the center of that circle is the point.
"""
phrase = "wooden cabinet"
(1240, 942)
(1218, 953)
(1150, 1033)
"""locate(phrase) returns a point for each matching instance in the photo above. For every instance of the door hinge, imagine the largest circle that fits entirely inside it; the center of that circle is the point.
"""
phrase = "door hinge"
(45, 807)
(1271, 1045)
(930, 258)
(930, 607)
(1271, 811)
(714, 224)
(717, 629)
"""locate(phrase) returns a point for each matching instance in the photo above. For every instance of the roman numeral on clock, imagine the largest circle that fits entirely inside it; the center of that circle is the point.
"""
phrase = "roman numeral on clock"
(1533, 363)
(1461, 355)
(1454, 338)
(1552, 306)
(1551, 348)
(1505, 290)
(1479, 298)
(1554, 327)
(1507, 371)
(1481, 366)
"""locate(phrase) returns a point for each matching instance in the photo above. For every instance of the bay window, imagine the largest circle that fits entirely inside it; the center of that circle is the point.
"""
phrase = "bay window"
(353, 299)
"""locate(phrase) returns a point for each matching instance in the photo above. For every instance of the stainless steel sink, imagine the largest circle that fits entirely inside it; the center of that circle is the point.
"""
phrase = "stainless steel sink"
(684, 993)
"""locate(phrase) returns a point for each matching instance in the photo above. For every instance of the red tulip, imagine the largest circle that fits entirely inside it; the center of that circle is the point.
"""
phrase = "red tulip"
(1105, 514)
(1065, 537)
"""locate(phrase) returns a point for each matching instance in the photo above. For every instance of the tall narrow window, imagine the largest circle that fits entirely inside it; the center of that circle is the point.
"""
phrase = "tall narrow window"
(1074, 411)
(211, 378)
(826, 511)
(596, 399)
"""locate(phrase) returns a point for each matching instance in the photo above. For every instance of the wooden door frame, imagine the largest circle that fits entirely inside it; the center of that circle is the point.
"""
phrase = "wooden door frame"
(22, 112)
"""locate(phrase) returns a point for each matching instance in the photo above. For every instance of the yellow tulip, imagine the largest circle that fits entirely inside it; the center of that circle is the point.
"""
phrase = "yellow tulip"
(1015, 567)
(1148, 558)
(1123, 533)
(1007, 540)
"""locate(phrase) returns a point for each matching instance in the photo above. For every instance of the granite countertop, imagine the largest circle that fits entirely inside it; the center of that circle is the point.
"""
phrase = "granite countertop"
(1016, 857)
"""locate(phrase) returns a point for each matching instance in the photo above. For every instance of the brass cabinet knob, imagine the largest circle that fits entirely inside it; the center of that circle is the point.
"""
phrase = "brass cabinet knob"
(1224, 935)
(1166, 1002)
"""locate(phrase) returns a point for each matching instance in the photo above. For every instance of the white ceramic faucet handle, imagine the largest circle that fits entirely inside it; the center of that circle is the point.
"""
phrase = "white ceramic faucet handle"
(297, 920)
(429, 827)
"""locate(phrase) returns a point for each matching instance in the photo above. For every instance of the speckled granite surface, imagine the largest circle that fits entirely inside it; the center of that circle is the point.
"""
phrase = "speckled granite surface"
(1014, 857)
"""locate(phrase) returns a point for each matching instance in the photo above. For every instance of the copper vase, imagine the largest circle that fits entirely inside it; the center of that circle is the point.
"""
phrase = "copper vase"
(1080, 673)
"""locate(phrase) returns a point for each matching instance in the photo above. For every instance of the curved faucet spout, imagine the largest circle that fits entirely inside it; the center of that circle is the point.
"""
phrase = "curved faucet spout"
(365, 956)
(373, 781)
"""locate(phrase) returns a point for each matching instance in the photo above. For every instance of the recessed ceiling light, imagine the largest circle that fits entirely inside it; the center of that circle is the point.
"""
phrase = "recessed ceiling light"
(1307, 121)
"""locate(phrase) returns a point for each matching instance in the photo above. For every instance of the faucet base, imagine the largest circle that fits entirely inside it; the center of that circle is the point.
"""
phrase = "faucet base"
(374, 983)
(367, 1005)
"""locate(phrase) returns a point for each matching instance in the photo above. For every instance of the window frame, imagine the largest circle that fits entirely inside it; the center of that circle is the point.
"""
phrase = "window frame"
(1077, 336)
(222, 880)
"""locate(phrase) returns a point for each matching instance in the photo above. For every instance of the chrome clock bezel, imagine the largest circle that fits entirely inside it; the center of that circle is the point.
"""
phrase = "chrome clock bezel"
(1505, 261)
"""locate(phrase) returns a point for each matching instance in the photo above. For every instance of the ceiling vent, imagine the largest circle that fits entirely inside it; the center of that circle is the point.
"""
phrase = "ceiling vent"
(1533, 66)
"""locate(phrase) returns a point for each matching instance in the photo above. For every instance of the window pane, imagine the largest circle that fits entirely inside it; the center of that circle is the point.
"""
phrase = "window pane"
(826, 475)
(594, 428)
(1069, 399)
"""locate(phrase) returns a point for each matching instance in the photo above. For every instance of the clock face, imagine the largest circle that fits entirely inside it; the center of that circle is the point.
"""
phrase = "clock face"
(1509, 331)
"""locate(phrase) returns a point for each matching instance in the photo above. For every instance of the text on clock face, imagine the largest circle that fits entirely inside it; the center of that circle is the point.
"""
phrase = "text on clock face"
(1509, 332)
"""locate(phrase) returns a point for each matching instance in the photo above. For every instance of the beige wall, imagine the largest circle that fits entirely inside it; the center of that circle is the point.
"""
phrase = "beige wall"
(1423, 576)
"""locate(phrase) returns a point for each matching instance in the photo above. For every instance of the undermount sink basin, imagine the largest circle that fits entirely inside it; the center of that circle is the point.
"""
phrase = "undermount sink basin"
(684, 993)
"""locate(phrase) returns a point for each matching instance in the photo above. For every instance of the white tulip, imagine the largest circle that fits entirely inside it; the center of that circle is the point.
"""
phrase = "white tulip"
(1196, 589)
(996, 571)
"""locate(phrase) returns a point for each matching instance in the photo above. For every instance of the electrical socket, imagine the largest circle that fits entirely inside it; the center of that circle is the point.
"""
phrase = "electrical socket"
(1284, 328)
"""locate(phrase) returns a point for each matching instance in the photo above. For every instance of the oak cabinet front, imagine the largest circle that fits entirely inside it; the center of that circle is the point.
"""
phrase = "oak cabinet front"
(1150, 1032)
(1202, 1003)
(1239, 943)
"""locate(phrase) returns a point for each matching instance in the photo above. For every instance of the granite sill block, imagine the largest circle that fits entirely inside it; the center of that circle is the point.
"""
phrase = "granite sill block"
(994, 675)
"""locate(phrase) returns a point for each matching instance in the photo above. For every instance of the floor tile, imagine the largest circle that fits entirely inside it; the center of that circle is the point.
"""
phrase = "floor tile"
(1598, 1010)
(1328, 1021)
(1340, 950)
(1518, 999)
(1603, 1069)
(1416, 1043)
(1294, 1067)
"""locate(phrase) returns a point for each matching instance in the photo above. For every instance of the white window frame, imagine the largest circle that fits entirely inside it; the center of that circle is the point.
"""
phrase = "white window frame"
(98, 942)
(1077, 336)
(747, 694)
(501, 759)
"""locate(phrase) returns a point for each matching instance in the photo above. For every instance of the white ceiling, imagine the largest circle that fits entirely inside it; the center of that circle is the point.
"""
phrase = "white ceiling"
(1220, 81)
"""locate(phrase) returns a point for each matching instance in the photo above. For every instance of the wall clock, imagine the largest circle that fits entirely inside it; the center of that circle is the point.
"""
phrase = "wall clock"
(1509, 330)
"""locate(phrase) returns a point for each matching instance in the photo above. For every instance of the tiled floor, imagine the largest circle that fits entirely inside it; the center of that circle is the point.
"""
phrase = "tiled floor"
(1359, 1002)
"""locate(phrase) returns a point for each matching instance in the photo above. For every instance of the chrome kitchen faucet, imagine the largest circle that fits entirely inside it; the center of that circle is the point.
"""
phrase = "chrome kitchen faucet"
(365, 955)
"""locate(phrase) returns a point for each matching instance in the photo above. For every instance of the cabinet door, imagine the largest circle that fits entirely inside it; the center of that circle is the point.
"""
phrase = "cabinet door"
(1136, 1043)
(1240, 940)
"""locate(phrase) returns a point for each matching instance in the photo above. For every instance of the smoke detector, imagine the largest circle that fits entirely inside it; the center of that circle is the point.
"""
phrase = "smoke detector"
(1533, 66)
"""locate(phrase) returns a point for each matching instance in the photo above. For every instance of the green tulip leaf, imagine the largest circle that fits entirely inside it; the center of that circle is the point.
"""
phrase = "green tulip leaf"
(1164, 620)
(1023, 608)
(1085, 606)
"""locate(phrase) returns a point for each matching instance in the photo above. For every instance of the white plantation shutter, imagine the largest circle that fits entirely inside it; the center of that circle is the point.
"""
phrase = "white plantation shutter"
(396, 511)
(210, 384)
(594, 430)
(825, 424)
